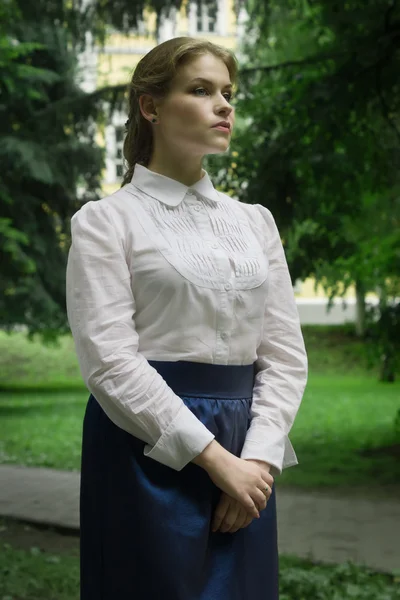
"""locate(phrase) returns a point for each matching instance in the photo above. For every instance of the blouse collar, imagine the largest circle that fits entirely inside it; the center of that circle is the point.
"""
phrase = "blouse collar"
(169, 191)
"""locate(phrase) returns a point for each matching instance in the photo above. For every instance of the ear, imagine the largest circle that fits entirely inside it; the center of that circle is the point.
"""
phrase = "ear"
(147, 106)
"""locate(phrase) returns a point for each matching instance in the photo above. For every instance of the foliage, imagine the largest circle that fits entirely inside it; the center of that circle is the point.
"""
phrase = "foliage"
(101, 16)
(384, 338)
(317, 140)
(51, 161)
(47, 152)
(318, 137)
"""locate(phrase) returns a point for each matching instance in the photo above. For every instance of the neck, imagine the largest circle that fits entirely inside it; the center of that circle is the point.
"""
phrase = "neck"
(181, 168)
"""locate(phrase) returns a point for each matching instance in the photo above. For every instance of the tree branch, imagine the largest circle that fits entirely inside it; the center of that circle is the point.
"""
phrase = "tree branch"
(294, 63)
(114, 89)
(385, 107)
(324, 57)
(70, 101)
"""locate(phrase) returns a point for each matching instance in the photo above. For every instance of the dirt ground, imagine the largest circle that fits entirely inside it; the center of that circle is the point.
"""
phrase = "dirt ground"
(24, 536)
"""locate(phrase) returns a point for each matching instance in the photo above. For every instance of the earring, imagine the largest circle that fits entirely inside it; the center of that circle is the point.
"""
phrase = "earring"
(154, 120)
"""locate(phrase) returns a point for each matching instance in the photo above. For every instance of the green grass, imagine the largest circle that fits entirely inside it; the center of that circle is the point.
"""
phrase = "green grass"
(31, 365)
(340, 417)
(336, 350)
(37, 575)
(345, 410)
(42, 428)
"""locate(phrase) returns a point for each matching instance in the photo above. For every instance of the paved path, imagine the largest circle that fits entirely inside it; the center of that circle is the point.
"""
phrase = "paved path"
(311, 524)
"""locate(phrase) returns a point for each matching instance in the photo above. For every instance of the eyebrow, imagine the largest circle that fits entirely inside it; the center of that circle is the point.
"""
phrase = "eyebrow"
(227, 85)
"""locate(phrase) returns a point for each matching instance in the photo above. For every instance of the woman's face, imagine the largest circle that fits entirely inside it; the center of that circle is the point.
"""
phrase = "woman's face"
(199, 98)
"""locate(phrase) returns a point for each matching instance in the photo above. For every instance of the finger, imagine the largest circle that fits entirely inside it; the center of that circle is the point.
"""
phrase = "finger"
(250, 506)
(260, 499)
(220, 512)
(230, 517)
(240, 520)
(266, 489)
(267, 492)
(248, 520)
(267, 481)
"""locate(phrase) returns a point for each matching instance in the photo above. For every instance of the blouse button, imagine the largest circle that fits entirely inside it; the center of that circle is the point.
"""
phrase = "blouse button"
(224, 335)
(215, 246)
(197, 208)
(228, 286)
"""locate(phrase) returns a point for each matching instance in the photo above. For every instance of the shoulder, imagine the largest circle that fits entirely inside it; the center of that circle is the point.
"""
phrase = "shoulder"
(258, 214)
(111, 210)
(266, 215)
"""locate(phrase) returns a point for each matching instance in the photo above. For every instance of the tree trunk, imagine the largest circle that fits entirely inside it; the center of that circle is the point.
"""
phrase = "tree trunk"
(387, 373)
(360, 309)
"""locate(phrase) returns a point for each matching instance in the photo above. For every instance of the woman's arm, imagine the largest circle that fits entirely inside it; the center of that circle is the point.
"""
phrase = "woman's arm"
(281, 366)
(101, 311)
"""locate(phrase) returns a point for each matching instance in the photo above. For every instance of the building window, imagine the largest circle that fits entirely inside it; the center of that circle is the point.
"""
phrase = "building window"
(207, 15)
(119, 156)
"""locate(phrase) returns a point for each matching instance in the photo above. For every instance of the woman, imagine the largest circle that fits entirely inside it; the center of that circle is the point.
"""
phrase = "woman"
(187, 334)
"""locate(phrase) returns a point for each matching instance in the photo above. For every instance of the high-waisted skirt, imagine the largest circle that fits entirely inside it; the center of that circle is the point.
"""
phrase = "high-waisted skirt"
(146, 528)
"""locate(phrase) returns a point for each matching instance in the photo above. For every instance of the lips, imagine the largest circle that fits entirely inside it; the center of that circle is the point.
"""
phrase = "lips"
(224, 124)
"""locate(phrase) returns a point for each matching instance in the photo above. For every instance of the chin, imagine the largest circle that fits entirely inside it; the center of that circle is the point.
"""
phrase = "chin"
(219, 149)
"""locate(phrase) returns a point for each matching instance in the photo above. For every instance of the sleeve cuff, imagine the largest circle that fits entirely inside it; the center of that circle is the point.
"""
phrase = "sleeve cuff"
(271, 445)
(184, 439)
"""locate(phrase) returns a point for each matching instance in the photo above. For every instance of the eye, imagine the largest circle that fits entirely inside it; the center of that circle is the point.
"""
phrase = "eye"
(227, 95)
(200, 90)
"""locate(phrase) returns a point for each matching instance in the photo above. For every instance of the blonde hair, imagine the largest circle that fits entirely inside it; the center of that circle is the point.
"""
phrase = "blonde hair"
(153, 75)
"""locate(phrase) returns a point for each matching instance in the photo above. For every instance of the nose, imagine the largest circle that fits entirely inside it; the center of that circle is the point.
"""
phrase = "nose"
(224, 108)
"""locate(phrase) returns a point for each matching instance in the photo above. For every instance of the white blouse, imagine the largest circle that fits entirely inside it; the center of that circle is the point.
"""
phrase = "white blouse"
(162, 271)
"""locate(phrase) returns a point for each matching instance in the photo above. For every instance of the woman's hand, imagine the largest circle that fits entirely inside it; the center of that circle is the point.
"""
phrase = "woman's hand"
(240, 479)
(230, 516)
(264, 466)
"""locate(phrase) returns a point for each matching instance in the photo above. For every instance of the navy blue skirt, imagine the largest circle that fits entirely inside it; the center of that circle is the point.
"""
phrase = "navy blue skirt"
(146, 528)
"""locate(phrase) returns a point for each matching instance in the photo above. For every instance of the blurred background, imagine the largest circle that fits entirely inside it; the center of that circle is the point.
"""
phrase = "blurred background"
(317, 141)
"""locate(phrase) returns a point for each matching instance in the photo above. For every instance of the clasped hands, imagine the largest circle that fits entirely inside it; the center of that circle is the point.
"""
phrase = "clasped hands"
(230, 515)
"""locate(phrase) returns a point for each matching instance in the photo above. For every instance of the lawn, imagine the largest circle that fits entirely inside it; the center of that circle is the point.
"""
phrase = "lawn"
(345, 416)
(49, 569)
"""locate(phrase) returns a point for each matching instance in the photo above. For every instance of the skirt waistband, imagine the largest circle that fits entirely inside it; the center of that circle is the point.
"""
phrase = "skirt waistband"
(205, 380)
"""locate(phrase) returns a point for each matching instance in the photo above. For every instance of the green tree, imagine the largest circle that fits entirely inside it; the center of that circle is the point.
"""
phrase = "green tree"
(47, 152)
(318, 138)
(50, 160)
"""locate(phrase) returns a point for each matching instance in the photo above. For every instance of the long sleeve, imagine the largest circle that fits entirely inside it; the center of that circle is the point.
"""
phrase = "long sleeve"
(101, 311)
(281, 365)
